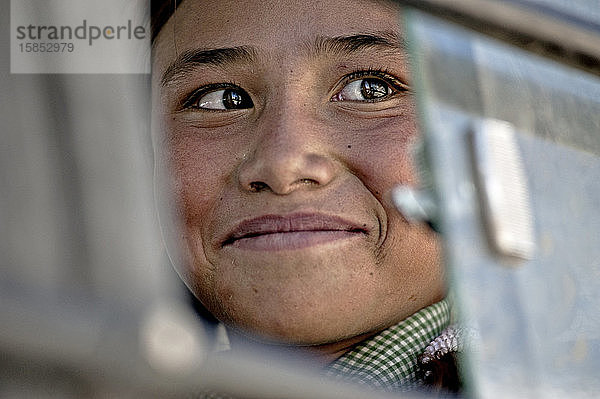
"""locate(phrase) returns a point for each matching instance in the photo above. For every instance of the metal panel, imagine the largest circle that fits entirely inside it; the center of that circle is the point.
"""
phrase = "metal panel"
(537, 326)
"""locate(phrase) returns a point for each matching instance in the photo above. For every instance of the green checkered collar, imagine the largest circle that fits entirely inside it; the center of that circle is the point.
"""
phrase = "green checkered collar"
(388, 360)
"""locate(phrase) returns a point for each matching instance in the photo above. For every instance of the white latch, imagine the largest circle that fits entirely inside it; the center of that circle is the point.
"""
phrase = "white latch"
(502, 189)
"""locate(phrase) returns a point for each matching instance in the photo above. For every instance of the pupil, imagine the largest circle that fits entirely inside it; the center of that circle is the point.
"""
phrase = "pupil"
(373, 88)
(233, 99)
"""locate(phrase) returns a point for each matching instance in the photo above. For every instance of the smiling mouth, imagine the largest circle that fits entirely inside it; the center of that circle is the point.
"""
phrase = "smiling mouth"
(273, 232)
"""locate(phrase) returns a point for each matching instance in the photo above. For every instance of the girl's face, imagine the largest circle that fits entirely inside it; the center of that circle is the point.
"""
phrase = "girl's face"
(283, 125)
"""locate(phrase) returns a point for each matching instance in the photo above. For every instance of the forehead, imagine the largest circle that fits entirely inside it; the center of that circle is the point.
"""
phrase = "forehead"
(271, 26)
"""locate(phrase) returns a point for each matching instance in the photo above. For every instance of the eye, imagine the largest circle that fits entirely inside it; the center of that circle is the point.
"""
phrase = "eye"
(217, 97)
(369, 88)
(364, 90)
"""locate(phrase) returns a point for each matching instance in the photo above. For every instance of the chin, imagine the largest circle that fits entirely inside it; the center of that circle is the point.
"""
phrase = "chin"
(301, 321)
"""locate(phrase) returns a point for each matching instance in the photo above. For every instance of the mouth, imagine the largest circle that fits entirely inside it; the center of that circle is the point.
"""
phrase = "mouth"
(274, 232)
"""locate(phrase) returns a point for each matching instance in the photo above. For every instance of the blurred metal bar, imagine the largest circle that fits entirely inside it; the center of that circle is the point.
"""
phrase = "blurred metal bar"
(93, 347)
(546, 31)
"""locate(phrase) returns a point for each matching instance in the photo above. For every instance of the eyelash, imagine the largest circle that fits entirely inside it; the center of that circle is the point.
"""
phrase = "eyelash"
(397, 85)
(382, 74)
(191, 99)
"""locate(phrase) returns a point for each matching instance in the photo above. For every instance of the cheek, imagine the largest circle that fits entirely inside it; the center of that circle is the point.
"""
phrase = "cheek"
(195, 177)
(381, 154)
(198, 170)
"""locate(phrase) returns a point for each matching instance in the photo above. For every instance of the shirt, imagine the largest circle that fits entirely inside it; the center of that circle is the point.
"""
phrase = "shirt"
(388, 360)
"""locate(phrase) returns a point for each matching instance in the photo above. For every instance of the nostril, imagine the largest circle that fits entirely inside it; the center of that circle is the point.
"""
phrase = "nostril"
(257, 186)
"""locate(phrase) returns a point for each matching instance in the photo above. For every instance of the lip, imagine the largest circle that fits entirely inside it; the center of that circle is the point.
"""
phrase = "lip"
(300, 230)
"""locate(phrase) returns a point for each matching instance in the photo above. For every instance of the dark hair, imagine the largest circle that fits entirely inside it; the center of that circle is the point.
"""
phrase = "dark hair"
(161, 11)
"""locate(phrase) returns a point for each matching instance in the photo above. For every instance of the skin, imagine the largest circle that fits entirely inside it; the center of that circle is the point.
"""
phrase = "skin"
(305, 145)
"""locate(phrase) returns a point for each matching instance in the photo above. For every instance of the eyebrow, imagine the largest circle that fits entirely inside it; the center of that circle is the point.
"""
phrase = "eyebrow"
(191, 59)
(353, 43)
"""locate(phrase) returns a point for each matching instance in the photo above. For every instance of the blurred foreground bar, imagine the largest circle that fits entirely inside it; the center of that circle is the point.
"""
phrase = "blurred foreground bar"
(568, 32)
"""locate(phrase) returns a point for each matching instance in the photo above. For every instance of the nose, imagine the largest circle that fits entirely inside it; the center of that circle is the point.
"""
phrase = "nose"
(290, 154)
